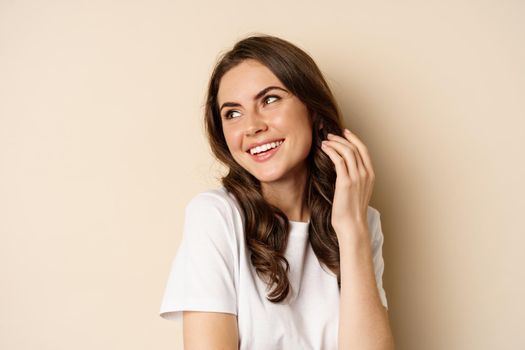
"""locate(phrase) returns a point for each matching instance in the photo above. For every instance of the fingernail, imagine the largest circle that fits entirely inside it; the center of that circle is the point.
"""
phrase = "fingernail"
(347, 131)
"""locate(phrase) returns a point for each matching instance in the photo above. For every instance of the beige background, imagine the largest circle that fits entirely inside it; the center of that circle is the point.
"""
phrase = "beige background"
(101, 147)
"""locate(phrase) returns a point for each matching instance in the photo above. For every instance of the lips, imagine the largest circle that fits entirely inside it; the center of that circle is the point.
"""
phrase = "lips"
(266, 155)
(253, 145)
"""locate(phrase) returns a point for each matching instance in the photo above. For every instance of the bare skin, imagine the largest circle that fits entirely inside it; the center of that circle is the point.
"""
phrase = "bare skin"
(288, 195)
(363, 321)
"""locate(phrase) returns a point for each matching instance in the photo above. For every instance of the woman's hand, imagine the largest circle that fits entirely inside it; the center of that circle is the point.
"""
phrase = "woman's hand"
(354, 183)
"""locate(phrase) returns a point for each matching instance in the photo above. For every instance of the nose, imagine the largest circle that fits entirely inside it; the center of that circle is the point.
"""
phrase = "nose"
(254, 123)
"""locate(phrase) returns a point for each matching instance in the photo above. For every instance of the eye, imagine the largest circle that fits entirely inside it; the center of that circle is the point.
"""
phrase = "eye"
(269, 98)
(230, 114)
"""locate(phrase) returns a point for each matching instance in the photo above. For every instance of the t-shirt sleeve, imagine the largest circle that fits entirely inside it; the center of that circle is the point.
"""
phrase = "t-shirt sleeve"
(377, 254)
(202, 272)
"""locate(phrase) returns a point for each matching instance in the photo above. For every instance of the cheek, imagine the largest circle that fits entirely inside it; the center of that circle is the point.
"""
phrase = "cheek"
(307, 143)
(306, 135)
(233, 139)
(294, 116)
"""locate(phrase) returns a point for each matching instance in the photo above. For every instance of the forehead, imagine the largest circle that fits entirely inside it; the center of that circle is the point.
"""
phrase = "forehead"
(244, 81)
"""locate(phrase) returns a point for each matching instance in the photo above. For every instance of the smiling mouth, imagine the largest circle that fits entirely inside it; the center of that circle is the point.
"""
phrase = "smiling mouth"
(259, 150)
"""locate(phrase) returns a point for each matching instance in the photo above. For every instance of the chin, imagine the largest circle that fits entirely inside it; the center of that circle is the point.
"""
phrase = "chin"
(267, 177)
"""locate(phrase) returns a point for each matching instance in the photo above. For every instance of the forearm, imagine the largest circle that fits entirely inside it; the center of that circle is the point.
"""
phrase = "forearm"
(363, 321)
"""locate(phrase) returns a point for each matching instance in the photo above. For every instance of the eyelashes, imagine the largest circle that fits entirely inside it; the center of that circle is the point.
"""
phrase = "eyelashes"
(228, 114)
(270, 96)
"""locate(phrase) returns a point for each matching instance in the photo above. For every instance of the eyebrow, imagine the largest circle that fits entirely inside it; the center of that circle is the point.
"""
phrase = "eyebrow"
(256, 97)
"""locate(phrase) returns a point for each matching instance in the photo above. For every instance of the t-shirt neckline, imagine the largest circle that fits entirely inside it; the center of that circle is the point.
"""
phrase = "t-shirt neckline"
(299, 222)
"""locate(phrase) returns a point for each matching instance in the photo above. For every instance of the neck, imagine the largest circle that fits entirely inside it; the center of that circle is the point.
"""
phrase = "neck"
(288, 195)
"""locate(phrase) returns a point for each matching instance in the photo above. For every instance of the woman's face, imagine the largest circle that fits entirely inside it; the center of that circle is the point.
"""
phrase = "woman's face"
(257, 110)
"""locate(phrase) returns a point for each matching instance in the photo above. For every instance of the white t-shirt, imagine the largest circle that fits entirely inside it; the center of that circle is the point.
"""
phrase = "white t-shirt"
(212, 272)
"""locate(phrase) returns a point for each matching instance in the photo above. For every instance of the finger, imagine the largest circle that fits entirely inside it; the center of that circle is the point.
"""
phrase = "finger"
(359, 161)
(339, 162)
(363, 150)
(348, 155)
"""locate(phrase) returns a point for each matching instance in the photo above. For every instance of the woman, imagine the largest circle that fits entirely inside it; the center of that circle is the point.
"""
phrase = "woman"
(287, 253)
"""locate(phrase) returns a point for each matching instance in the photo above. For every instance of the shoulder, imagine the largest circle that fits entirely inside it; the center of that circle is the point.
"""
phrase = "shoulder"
(213, 203)
(216, 197)
(212, 222)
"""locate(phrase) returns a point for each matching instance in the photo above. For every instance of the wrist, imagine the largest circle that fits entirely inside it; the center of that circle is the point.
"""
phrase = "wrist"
(352, 234)
(351, 228)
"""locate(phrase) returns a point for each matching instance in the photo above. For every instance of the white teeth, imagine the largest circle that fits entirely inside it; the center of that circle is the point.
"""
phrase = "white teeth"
(265, 147)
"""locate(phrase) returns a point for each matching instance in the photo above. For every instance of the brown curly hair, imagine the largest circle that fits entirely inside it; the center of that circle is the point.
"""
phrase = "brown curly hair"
(266, 226)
